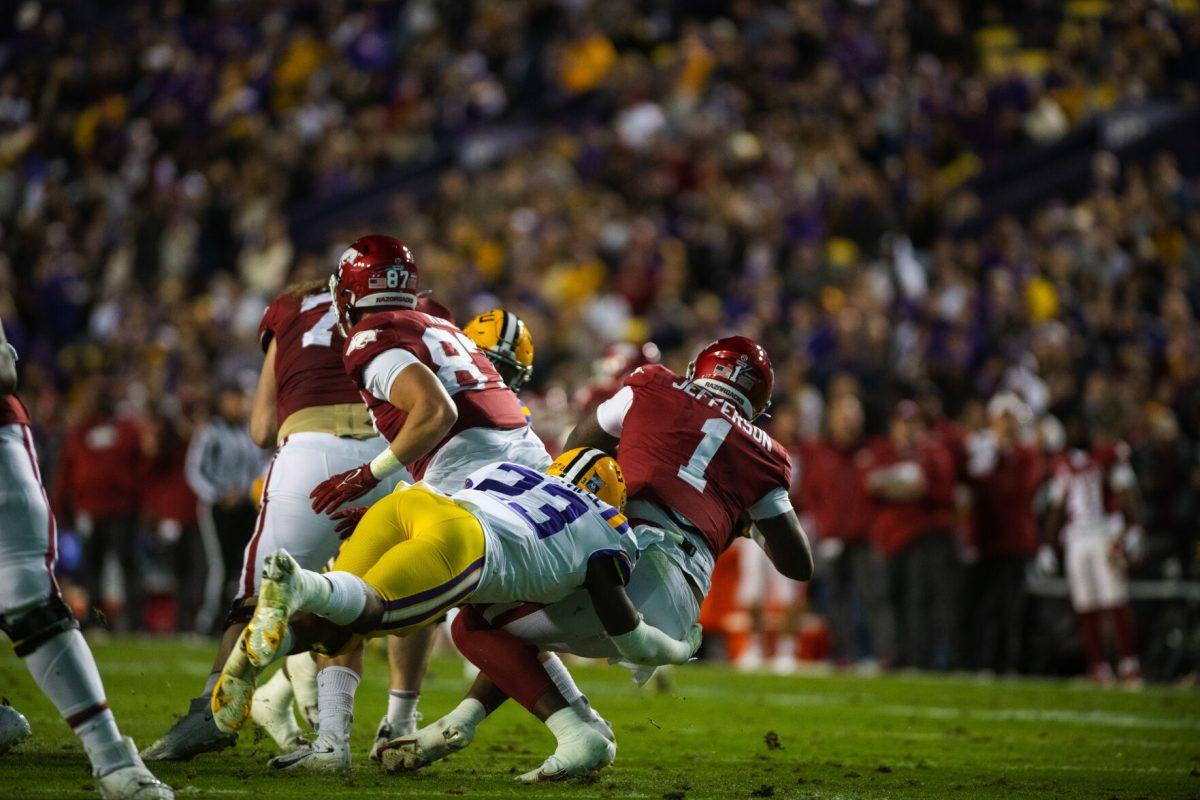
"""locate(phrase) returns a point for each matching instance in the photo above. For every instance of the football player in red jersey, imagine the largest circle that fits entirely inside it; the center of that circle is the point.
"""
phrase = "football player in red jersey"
(1095, 513)
(34, 616)
(306, 406)
(445, 411)
(698, 469)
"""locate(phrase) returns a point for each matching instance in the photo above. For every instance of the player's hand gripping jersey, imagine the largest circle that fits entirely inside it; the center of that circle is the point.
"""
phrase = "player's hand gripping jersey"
(311, 386)
(691, 453)
(382, 345)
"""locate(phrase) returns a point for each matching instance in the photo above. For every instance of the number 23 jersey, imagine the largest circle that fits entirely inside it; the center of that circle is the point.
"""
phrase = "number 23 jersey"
(382, 345)
(542, 532)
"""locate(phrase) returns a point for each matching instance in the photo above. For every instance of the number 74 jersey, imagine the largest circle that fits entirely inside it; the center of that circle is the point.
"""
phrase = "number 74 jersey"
(399, 338)
(542, 532)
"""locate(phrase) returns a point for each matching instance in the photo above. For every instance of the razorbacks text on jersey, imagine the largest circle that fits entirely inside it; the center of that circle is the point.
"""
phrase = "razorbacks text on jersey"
(479, 394)
(691, 451)
(542, 532)
(1088, 486)
(308, 347)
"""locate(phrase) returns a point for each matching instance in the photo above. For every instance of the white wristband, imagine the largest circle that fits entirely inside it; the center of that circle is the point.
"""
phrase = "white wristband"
(385, 464)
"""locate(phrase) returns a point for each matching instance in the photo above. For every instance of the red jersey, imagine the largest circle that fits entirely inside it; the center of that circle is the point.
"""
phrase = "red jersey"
(831, 492)
(478, 392)
(1089, 485)
(691, 451)
(1002, 503)
(308, 363)
(12, 411)
(895, 525)
(102, 469)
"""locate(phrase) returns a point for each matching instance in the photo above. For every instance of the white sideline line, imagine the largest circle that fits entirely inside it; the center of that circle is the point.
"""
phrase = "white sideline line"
(1102, 718)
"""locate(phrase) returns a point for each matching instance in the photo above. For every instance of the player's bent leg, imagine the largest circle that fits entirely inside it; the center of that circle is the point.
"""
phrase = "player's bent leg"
(46, 636)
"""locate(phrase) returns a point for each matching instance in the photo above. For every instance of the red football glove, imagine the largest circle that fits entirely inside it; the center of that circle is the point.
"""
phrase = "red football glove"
(348, 519)
(349, 485)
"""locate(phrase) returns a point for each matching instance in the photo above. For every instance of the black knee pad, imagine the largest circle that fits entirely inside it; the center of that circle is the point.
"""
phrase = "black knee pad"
(240, 612)
(39, 625)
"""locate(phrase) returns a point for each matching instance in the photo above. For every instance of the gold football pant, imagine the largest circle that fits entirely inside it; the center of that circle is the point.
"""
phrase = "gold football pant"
(421, 551)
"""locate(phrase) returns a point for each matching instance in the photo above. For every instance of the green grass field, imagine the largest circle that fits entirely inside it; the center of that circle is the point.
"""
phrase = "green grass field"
(838, 737)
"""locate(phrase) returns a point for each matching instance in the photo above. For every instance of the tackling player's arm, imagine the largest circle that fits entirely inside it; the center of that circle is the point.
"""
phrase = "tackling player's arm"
(8, 366)
(431, 413)
(590, 433)
(262, 414)
(786, 544)
(636, 641)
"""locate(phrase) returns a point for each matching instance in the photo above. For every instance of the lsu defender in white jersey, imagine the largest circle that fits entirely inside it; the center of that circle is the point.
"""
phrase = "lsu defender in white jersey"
(541, 532)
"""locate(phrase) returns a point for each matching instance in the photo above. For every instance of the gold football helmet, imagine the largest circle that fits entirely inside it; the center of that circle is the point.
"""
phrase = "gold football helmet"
(593, 471)
(506, 340)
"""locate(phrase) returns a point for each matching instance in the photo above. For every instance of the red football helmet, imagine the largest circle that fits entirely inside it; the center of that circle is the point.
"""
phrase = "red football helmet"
(738, 369)
(375, 272)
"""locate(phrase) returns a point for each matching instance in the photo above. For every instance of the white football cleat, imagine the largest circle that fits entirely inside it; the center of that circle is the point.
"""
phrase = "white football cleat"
(14, 728)
(234, 694)
(387, 732)
(585, 753)
(321, 755)
(432, 743)
(278, 598)
(271, 710)
(131, 781)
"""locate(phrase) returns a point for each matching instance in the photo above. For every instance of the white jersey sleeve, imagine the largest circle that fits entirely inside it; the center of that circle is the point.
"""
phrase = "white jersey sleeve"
(611, 413)
(383, 370)
(772, 504)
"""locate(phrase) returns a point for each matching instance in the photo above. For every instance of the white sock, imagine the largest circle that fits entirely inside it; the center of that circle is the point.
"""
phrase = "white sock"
(278, 687)
(337, 596)
(66, 672)
(402, 705)
(302, 672)
(335, 701)
(562, 679)
(468, 713)
(566, 725)
(565, 684)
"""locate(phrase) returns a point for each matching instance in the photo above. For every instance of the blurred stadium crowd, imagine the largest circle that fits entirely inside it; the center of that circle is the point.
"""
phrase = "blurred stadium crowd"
(801, 173)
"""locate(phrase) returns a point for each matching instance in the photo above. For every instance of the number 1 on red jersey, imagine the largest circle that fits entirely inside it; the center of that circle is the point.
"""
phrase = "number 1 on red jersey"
(715, 430)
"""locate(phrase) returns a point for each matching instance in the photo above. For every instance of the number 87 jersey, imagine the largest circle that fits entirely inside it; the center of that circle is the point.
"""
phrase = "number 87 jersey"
(383, 344)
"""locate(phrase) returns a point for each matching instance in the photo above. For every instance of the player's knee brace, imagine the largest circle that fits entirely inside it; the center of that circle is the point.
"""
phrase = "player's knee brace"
(240, 612)
(39, 625)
